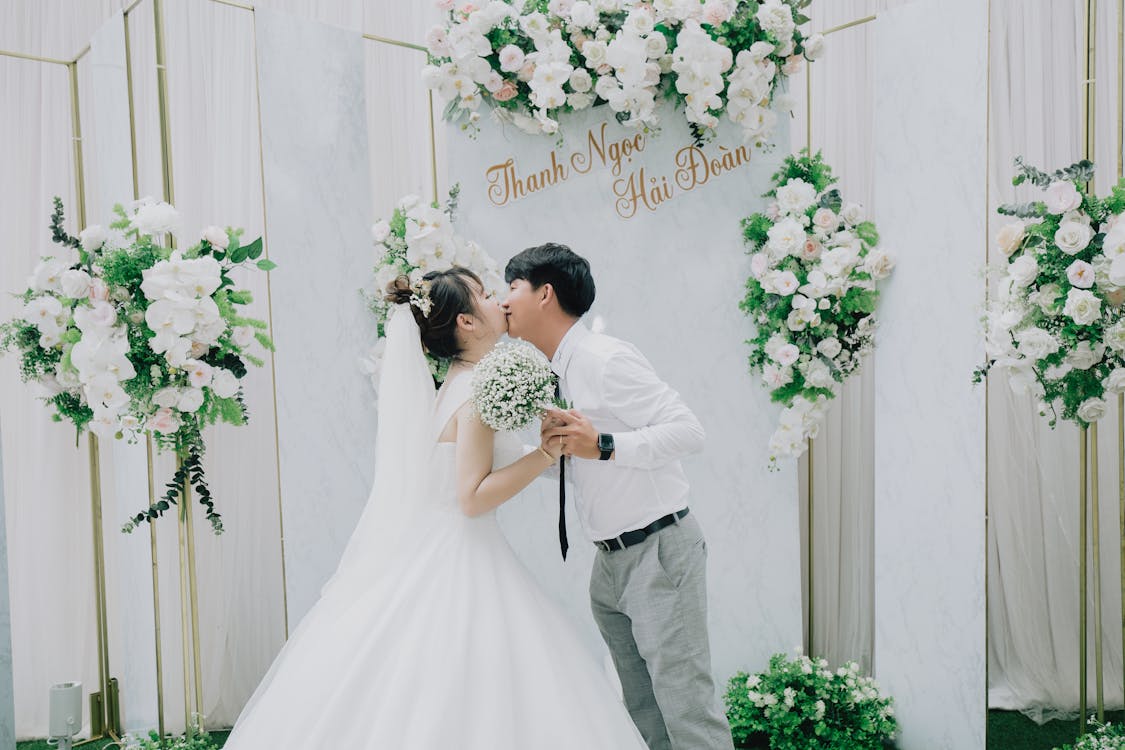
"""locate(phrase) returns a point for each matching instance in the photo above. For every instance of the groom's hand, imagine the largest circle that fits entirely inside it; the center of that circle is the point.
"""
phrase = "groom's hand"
(579, 438)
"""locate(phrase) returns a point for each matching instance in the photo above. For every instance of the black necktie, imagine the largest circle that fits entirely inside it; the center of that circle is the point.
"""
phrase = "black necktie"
(563, 545)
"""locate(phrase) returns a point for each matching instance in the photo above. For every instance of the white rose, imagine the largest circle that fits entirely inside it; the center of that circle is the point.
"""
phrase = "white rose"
(786, 237)
(1115, 383)
(796, 196)
(190, 400)
(852, 214)
(1114, 243)
(583, 15)
(581, 81)
(224, 383)
(787, 355)
(656, 45)
(776, 18)
(825, 219)
(580, 101)
(166, 397)
(1084, 356)
(1080, 274)
(640, 22)
(1023, 271)
(511, 58)
(829, 347)
(595, 54)
(156, 218)
(1082, 306)
(776, 377)
(217, 237)
(1063, 197)
(1036, 343)
(1009, 237)
(814, 47)
(1091, 410)
(878, 264)
(785, 283)
(380, 230)
(75, 283)
(1073, 236)
(1115, 337)
(759, 264)
(92, 237)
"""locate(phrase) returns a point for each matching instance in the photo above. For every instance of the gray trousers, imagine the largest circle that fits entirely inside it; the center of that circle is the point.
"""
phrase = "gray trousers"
(650, 602)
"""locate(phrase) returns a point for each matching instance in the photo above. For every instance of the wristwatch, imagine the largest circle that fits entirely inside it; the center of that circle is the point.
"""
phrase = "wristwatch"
(605, 445)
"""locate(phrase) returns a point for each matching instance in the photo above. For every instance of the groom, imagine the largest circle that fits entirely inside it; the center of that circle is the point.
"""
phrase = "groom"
(624, 439)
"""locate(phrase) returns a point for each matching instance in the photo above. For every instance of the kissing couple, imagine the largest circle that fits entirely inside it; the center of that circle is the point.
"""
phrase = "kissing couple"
(431, 634)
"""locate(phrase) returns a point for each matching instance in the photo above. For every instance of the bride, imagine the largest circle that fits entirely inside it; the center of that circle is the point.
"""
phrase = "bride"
(431, 635)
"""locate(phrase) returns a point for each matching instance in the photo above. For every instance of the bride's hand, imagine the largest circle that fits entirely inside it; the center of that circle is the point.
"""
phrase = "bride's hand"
(552, 446)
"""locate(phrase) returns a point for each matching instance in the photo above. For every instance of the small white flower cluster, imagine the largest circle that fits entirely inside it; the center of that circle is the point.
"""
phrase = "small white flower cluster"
(512, 385)
(808, 267)
(419, 238)
(619, 52)
(1057, 312)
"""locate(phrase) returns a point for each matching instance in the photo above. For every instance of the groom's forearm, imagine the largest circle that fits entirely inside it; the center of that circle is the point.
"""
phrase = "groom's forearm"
(656, 445)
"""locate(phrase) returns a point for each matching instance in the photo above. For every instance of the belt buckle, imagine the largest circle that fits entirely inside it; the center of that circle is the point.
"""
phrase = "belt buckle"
(620, 541)
(602, 545)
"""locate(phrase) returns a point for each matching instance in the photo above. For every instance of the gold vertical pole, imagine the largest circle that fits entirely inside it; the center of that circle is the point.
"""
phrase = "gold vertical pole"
(433, 148)
(185, 634)
(193, 591)
(155, 595)
(1121, 397)
(1099, 676)
(809, 535)
(1082, 583)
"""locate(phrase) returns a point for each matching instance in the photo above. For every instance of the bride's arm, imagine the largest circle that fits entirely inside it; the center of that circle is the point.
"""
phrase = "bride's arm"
(479, 488)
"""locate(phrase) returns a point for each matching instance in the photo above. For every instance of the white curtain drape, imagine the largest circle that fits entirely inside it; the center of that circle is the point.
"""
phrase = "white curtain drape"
(217, 179)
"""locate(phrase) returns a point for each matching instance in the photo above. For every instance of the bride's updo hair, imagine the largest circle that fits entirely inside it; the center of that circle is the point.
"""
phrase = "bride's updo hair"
(451, 294)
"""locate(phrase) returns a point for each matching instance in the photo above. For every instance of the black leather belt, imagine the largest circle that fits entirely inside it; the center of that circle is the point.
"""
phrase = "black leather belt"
(636, 536)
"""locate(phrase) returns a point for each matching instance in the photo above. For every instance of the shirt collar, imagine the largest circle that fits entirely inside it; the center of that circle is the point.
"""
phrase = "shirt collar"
(565, 350)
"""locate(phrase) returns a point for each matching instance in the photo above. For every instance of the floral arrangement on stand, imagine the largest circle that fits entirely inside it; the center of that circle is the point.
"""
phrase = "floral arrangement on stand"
(127, 336)
(800, 703)
(536, 59)
(1100, 737)
(417, 239)
(1055, 324)
(812, 295)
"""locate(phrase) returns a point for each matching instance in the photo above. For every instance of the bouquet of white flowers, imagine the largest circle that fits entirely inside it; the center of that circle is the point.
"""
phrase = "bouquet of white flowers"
(512, 385)
(127, 336)
(534, 60)
(1056, 321)
(812, 295)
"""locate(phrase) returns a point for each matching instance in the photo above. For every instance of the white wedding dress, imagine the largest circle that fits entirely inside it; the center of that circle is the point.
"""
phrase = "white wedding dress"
(431, 635)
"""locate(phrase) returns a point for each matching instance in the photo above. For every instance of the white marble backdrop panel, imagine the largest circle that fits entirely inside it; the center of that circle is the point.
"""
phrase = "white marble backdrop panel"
(669, 279)
(7, 687)
(931, 154)
(318, 214)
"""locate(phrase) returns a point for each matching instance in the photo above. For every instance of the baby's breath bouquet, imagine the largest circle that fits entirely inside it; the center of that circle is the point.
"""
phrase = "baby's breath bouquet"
(512, 385)
(127, 336)
(800, 703)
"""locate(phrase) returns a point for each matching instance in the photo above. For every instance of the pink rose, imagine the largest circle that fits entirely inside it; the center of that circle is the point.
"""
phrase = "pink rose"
(444, 5)
(526, 72)
(773, 211)
(506, 92)
(715, 12)
(811, 250)
(163, 421)
(793, 65)
(758, 265)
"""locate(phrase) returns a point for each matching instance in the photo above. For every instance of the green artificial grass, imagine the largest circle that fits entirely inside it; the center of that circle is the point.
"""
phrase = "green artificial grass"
(1007, 730)
(1011, 730)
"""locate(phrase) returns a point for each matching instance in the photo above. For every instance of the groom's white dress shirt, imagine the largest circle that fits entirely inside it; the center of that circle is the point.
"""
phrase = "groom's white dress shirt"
(616, 388)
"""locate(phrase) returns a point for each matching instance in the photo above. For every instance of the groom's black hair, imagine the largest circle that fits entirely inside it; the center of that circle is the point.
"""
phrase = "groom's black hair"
(565, 270)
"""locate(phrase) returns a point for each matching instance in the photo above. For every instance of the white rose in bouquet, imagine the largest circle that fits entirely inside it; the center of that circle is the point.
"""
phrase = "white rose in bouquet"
(1010, 236)
(1084, 355)
(92, 237)
(1091, 410)
(1023, 271)
(1082, 306)
(1036, 343)
(156, 218)
(1062, 197)
(796, 196)
(1080, 274)
(1115, 382)
(75, 283)
(217, 237)
(1073, 236)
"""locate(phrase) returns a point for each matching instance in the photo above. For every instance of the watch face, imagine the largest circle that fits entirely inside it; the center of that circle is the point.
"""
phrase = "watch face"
(605, 442)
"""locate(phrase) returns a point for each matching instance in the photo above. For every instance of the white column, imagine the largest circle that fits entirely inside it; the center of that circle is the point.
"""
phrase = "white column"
(931, 154)
(318, 214)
